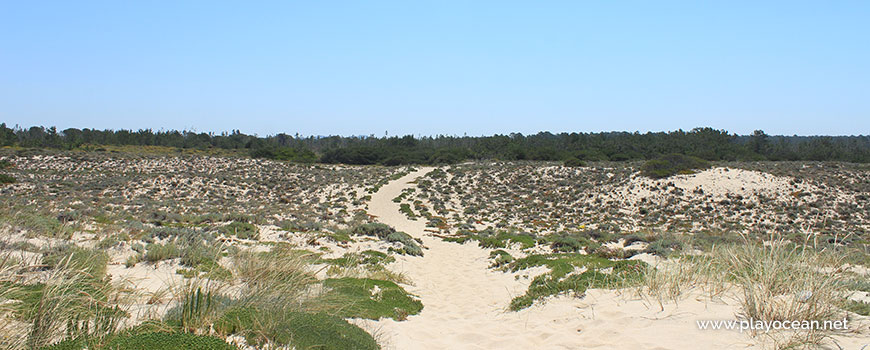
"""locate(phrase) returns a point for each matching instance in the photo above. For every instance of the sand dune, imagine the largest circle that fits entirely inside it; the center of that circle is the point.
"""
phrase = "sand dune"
(465, 305)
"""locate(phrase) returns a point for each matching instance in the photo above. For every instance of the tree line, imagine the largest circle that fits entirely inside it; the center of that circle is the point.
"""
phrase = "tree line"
(704, 143)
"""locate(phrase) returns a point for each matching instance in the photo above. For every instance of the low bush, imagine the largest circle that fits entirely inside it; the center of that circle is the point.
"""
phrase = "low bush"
(155, 252)
(574, 162)
(410, 245)
(374, 229)
(242, 230)
(500, 258)
(6, 179)
(372, 299)
(150, 341)
(491, 239)
(298, 329)
(600, 273)
(672, 164)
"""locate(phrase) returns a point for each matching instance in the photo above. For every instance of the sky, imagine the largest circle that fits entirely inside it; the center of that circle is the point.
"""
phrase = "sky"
(437, 67)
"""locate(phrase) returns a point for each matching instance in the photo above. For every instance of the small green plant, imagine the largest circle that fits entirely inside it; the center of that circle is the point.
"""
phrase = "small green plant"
(500, 258)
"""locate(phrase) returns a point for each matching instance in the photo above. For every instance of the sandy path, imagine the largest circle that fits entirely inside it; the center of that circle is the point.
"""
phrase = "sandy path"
(464, 301)
(465, 305)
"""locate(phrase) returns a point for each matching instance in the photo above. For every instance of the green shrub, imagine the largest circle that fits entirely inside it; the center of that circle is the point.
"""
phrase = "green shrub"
(501, 258)
(672, 164)
(489, 239)
(148, 341)
(374, 229)
(6, 179)
(572, 243)
(574, 162)
(242, 230)
(372, 299)
(91, 261)
(389, 234)
(291, 154)
(664, 247)
(155, 252)
(558, 280)
(410, 245)
(301, 330)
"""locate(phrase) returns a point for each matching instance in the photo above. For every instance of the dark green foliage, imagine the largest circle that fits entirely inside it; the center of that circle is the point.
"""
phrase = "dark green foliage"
(374, 229)
(705, 143)
(574, 162)
(6, 179)
(624, 273)
(405, 151)
(301, 330)
(241, 230)
(490, 239)
(410, 246)
(323, 332)
(298, 155)
(673, 164)
(570, 243)
(372, 299)
(664, 246)
(147, 341)
(558, 280)
(300, 225)
(405, 208)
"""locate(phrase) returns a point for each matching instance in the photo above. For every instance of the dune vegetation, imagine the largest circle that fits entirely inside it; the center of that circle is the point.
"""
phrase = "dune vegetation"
(128, 249)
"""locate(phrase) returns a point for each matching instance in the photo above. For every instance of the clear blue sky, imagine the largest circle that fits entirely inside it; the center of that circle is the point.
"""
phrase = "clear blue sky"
(439, 67)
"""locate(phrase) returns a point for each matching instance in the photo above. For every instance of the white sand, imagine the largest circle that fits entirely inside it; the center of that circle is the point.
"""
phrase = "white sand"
(465, 305)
